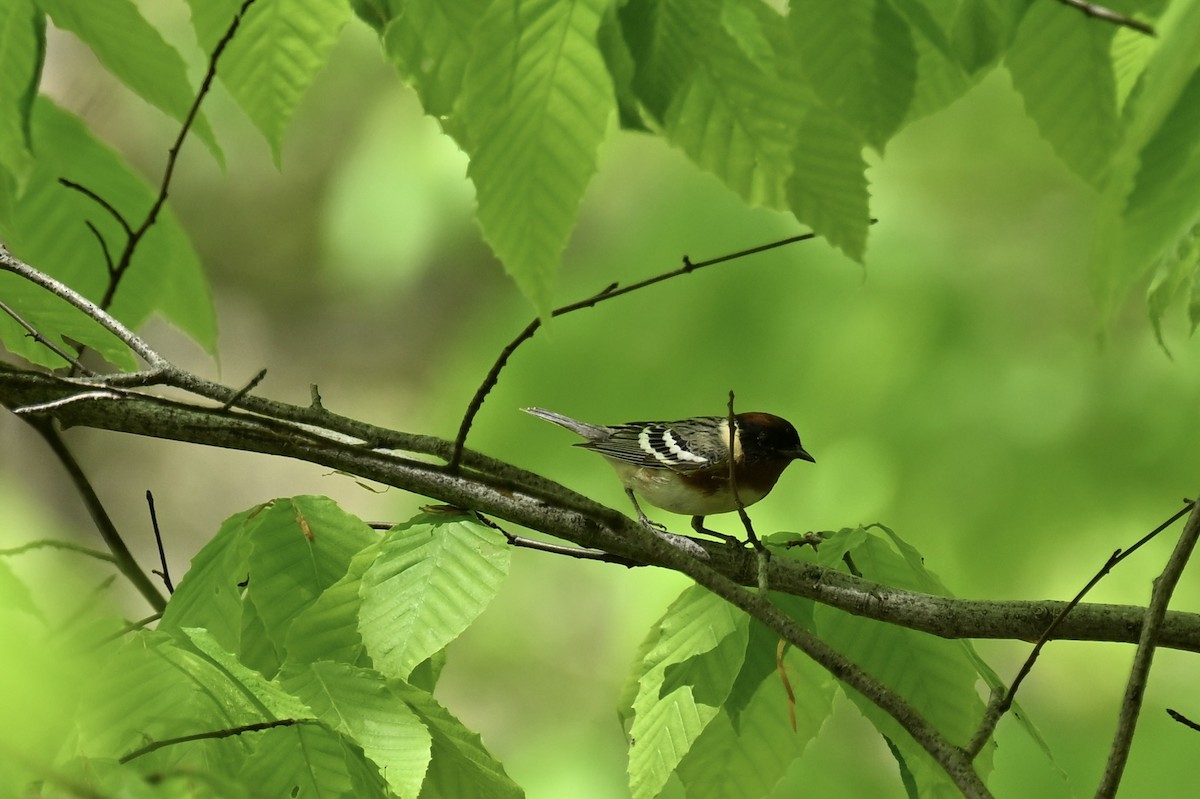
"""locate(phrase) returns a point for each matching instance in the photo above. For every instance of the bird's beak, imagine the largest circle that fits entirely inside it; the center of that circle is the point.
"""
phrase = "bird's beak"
(802, 454)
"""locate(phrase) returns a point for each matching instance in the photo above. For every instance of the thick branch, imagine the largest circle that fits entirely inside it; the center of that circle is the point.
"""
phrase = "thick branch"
(501, 490)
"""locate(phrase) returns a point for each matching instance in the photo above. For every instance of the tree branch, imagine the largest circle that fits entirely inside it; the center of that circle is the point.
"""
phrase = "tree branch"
(122, 557)
(1097, 11)
(1131, 706)
(504, 491)
(1000, 704)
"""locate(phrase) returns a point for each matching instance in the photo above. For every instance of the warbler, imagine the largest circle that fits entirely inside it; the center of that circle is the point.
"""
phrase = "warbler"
(683, 466)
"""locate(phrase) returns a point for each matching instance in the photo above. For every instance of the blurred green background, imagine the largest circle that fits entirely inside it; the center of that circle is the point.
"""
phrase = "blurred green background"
(961, 388)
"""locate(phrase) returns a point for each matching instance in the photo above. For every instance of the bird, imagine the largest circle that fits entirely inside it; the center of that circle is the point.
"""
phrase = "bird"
(683, 466)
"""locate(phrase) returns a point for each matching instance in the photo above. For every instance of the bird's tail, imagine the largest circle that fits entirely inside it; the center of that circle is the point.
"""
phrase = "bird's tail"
(591, 432)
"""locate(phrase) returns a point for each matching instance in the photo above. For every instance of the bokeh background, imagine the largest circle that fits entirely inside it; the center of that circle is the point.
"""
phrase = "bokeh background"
(961, 387)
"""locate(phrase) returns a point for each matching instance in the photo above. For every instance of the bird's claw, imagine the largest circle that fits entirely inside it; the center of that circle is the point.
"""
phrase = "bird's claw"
(653, 526)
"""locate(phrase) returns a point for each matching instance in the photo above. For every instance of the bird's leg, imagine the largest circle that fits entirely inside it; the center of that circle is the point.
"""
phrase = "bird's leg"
(642, 517)
(698, 526)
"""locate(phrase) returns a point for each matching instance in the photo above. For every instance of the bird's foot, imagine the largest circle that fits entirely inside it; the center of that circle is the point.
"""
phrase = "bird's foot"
(731, 540)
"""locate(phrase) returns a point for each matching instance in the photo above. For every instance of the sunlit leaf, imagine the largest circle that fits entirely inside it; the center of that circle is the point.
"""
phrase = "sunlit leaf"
(134, 51)
(860, 59)
(359, 703)
(536, 102)
(278, 49)
(22, 48)
(46, 226)
(460, 764)
(699, 648)
(432, 578)
(1128, 239)
(746, 749)
(828, 187)
(933, 674)
(299, 548)
(431, 43)
(1064, 72)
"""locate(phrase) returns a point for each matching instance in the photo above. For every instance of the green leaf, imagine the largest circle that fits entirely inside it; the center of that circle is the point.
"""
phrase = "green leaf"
(661, 37)
(1128, 240)
(210, 594)
(924, 580)
(536, 103)
(745, 26)
(150, 688)
(1164, 207)
(22, 50)
(274, 57)
(266, 569)
(135, 53)
(699, 648)
(1064, 72)
(622, 68)
(728, 115)
(828, 187)
(309, 760)
(328, 628)
(46, 227)
(108, 778)
(43, 672)
(936, 676)
(273, 701)
(432, 578)
(860, 59)
(431, 42)
(258, 650)
(211, 20)
(360, 704)
(982, 30)
(299, 548)
(1131, 52)
(376, 13)
(1176, 274)
(460, 765)
(746, 749)
(941, 79)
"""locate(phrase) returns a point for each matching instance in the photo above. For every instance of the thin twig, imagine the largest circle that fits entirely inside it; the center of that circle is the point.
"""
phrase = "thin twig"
(244, 390)
(103, 203)
(1002, 702)
(45, 342)
(131, 627)
(122, 557)
(607, 293)
(11, 263)
(507, 492)
(1182, 719)
(134, 237)
(1139, 673)
(1108, 15)
(731, 422)
(555, 549)
(165, 574)
(108, 261)
(213, 735)
(69, 546)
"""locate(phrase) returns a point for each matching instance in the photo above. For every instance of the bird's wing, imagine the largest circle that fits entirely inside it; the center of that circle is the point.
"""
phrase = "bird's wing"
(678, 446)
